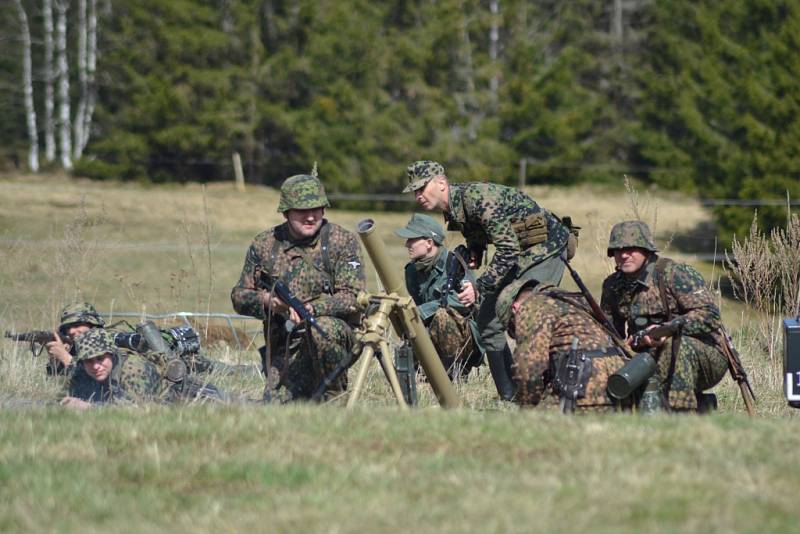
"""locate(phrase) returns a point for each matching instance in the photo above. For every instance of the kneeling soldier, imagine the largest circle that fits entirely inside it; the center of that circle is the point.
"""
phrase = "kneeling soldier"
(561, 351)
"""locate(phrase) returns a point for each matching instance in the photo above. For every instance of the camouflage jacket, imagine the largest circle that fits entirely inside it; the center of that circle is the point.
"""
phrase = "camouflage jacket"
(133, 379)
(329, 277)
(633, 303)
(426, 288)
(545, 323)
(483, 213)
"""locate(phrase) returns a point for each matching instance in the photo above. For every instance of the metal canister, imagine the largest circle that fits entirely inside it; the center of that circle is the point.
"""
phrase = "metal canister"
(631, 375)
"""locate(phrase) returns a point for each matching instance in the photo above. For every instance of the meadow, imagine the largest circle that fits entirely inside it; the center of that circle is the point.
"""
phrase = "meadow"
(486, 467)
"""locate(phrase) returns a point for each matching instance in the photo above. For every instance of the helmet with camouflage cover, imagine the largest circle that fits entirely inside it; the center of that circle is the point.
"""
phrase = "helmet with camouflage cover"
(507, 297)
(630, 234)
(93, 343)
(80, 313)
(302, 192)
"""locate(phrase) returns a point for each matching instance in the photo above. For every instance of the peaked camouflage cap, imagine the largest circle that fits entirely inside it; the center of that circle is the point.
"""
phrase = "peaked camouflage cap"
(302, 192)
(420, 173)
(422, 225)
(93, 343)
(508, 296)
(630, 234)
(80, 313)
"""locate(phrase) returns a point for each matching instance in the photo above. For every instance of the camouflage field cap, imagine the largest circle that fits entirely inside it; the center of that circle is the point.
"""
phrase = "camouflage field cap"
(628, 234)
(420, 173)
(422, 226)
(507, 297)
(80, 313)
(302, 192)
(93, 343)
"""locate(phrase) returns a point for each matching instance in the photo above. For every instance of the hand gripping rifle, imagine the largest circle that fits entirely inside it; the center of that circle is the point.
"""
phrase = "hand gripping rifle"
(456, 269)
(285, 294)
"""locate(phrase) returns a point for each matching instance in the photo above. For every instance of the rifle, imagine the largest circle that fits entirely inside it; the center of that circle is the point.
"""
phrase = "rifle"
(455, 270)
(738, 373)
(285, 294)
(597, 311)
(39, 337)
(663, 330)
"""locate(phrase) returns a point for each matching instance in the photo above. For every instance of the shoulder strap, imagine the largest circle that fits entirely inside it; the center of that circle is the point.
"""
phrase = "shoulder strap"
(324, 239)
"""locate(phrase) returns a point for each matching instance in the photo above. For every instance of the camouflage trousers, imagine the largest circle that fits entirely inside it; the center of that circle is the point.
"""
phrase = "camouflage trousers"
(452, 337)
(301, 360)
(699, 366)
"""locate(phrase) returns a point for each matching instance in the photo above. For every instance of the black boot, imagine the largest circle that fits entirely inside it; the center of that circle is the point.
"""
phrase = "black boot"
(500, 367)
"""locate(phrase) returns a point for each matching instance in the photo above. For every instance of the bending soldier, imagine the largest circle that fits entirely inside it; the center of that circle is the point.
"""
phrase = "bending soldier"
(562, 352)
(320, 263)
(451, 327)
(646, 291)
(527, 240)
(113, 375)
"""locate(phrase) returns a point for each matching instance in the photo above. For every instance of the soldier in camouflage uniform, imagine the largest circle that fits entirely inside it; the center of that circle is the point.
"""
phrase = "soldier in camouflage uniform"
(321, 264)
(112, 375)
(689, 362)
(527, 239)
(452, 328)
(545, 321)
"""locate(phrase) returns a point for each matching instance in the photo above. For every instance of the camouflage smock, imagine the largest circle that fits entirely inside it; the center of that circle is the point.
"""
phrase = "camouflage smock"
(133, 379)
(700, 363)
(545, 324)
(452, 329)
(483, 213)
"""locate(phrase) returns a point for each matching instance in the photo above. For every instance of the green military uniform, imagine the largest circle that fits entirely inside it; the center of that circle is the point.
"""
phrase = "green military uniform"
(545, 326)
(452, 328)
(634, 302)
(325, 271)
(133, 377)
(527, 239)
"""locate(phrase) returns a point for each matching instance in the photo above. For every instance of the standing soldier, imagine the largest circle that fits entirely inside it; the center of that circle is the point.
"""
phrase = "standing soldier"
(527, 241)
(646, 291)
(561, 348)
(320, 262)
(451, 327)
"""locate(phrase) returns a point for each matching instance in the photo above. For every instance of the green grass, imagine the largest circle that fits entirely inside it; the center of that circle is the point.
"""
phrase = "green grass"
(484, 468)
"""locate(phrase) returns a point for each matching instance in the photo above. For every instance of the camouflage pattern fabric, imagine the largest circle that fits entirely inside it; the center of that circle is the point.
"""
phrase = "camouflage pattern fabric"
(629, 234)
(302, 192)
(545, 324)
(420, 173)
(78, 313)
(453, 331)
(133, 379)
(94, 343)
(634, 302)
(331, 287)
(483, 212)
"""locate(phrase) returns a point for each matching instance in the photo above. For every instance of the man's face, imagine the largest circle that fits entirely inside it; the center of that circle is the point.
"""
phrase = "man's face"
(630, 260)
(304, 223)
(420, 248)
(433, 195)
(99, 368)
(73, 331)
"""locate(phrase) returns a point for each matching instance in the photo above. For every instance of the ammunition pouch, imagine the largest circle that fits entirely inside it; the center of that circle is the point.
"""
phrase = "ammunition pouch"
(572, 372)
(531, 230)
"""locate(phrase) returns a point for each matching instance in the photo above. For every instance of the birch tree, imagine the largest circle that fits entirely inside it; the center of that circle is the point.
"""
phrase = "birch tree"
(47, 71)
(63, 85)
(27, 82)
(82, 81)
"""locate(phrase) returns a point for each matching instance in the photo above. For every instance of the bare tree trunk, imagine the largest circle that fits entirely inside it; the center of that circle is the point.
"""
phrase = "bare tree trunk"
(466, 102)
(49, 96)
(616, 22)
(27, 81)
(84, 86)
(91, 65)
(494, 49)
(63, 84)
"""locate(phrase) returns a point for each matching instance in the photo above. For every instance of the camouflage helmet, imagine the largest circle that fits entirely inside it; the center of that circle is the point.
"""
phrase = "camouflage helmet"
(302, 192)
(80, 313)
(508, 296)
(630, 234)
(94, 343)
(420, 173)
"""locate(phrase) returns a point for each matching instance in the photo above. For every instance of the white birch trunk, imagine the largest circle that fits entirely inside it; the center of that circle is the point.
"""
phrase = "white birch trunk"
(616, 21)
(27, 81)
(49, 94)
(494, 48)
(77, 129)
(91, 64)
(65, 127)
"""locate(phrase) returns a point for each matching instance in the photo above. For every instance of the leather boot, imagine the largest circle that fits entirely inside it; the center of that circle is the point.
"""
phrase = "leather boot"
(500, 367)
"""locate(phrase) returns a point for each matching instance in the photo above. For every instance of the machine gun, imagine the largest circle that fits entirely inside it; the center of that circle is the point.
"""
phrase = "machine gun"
(456, 269)
(285, 294)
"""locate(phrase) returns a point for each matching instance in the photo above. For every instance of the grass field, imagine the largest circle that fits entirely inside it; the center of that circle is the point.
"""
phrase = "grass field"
(487, 467)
